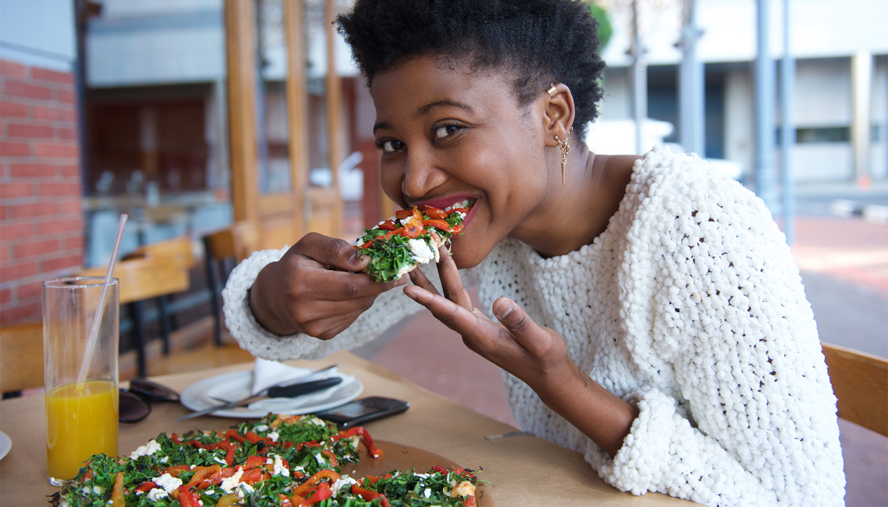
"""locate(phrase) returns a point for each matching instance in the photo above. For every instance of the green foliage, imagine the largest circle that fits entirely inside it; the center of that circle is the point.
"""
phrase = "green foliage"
(605, 28)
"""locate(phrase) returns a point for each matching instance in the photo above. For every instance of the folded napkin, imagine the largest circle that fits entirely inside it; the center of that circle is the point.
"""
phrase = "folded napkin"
(268, 373)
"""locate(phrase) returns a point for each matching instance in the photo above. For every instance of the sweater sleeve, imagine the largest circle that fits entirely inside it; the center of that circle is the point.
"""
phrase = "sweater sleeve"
(389, 308)
(748, 416)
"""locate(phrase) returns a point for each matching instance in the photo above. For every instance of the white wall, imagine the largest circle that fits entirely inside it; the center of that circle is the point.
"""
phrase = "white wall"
(38, 33)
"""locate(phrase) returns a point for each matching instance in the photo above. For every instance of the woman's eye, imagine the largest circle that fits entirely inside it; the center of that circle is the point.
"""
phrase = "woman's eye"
(445, 130)
(389, 145)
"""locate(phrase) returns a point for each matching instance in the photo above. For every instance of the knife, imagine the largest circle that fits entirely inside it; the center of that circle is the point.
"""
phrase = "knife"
(290, 388)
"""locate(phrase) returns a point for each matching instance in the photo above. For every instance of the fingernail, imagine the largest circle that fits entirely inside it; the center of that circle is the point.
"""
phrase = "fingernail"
(504, 310)
(410, 294)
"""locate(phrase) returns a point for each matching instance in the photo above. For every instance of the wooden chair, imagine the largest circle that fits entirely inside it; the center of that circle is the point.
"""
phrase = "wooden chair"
(223, 250)
(151, 273)
(860, 382)
(21, 360)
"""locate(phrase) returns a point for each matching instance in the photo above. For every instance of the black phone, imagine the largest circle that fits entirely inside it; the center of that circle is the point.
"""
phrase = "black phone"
(364, 410)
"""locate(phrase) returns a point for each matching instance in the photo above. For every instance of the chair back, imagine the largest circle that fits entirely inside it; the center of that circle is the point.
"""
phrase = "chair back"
(236, 241)
(860, 382)
(177, 250)
(21, 360)
(145, 277)
(223, 250)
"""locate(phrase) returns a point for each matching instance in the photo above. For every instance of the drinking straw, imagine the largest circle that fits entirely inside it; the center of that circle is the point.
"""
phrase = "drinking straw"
(97, 318)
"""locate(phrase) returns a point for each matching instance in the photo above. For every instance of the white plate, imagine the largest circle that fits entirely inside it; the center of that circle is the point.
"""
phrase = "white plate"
(5, 444)
(237, 385)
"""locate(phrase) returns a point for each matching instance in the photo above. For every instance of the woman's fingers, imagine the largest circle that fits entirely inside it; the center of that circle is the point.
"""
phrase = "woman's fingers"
(451, 283)
(331, 252)
(534, 338)
(421, 280)
(479, 333)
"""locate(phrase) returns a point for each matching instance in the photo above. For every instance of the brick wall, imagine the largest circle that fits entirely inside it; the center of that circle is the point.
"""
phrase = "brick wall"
(41, 215)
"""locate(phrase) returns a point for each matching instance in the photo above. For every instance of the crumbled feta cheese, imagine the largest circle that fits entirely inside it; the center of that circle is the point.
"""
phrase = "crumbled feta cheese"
(279, 468)
(156, 494)
(318, 422)
(219, 460)
(261, 427)
(163, 459)
(244, 489)
(167, 482)
(420, 250)
(343, 482)
(146, 450)
(274, 436)
(230, 483)
(427, 493)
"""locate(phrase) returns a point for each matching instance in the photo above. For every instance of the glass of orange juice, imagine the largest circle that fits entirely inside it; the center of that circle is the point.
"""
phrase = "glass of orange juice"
(81, 393)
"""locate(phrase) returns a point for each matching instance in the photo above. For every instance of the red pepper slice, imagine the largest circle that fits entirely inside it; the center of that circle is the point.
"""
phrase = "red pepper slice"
(306, 486)
(320, 494)
(388, 225)
(365, 436)
(464, 211)
(434, 212)
(440, 224)
(255, 461)
(186, 497)
(175, 438)
(333, 461)
(146, 487)
(412, 229)
(369, 495)
(232, 433)
(175, 470)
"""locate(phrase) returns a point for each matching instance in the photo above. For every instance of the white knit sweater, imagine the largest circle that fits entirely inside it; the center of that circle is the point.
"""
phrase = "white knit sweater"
(690, 305)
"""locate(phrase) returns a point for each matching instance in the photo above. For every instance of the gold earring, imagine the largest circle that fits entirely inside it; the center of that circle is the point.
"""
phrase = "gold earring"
(565, 149)
(552, 91)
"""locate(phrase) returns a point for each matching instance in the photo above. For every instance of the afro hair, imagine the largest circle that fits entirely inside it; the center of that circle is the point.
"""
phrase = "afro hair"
(538, 41)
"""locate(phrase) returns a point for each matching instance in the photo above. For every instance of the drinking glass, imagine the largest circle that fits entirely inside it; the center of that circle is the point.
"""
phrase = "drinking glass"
(81, 406)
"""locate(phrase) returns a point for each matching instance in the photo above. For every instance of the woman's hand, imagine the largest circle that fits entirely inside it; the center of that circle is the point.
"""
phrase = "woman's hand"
(537, 355)
(315, 288)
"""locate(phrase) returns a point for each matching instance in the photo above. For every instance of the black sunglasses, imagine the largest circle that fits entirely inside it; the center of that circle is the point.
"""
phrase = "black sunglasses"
(135, 402)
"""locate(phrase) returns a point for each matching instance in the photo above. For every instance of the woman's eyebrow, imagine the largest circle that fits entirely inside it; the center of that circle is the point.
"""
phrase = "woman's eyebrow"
(424, 110)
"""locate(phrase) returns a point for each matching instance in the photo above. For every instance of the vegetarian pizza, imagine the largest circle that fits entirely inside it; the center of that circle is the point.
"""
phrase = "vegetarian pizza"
(277, 461)
(398, 245)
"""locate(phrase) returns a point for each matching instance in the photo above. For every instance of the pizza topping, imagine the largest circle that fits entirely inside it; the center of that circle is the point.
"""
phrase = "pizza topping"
(246, 466)
(397, 246)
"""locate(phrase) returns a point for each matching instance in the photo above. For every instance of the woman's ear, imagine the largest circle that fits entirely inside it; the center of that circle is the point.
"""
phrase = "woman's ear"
(559, 113)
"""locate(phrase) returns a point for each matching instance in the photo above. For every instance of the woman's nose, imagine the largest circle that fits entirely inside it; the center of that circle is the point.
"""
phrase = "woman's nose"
(421, 176)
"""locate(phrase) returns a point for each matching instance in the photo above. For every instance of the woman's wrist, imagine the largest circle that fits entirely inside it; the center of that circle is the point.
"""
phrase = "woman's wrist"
(261, 306)
(599, 414)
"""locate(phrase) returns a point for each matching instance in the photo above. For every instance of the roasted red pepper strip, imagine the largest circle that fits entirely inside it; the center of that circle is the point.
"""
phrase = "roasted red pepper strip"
(320, 494)
(186, 497)
(464, 211)
(232, 433)
(440, 224)
(333, 461)
(434, 212)
(369, 495)
(365, 436)
(146, 487)
(306, 486)
(252, 437)
(388, 225)
(255, 461)
(403, 213)
(175, 470)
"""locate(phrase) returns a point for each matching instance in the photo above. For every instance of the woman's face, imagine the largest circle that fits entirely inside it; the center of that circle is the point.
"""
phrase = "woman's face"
(448, 135)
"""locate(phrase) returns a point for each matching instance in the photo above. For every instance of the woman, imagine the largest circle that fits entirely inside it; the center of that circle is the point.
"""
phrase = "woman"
(646, 312)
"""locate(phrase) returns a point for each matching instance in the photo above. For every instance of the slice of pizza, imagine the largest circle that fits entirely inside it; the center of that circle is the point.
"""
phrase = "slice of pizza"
(398, 245)
(278, 461)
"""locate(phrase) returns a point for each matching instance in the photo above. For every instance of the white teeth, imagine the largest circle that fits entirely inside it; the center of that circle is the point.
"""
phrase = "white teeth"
(464, 204)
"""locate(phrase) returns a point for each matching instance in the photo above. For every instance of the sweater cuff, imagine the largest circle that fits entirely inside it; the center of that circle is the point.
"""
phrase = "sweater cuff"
(241, 323)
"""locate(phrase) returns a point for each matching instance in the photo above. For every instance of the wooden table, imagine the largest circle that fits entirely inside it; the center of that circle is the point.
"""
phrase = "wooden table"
(522, 471)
